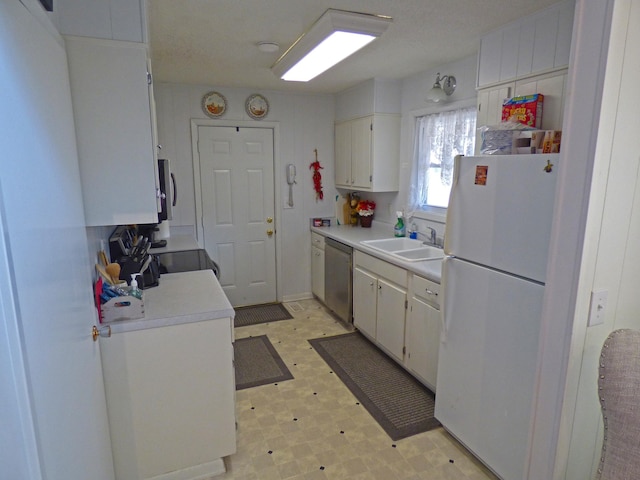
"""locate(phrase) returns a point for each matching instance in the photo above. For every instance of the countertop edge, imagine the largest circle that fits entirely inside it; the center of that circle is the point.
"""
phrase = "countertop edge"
(352, 236)
(177, 243)
(185, 297)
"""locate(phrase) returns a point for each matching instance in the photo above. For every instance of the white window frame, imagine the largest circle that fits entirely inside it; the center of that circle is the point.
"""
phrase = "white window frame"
(436, 214)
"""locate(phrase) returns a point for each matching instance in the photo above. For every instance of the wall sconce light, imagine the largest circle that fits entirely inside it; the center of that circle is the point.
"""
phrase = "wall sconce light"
(440, 91)
(332, 38)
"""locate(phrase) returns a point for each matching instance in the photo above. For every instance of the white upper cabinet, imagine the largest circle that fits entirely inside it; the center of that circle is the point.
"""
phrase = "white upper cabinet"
(367, 136)
(110, 19)
(110, 90)
(366, 153)
(535, 44)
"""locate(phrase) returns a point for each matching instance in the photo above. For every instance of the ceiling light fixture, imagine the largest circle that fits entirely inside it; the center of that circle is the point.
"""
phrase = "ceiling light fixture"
(441, 91)
(332, 38)
(268, 47)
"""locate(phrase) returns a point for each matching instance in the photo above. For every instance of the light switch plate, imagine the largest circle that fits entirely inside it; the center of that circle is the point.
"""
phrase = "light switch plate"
(598, 306)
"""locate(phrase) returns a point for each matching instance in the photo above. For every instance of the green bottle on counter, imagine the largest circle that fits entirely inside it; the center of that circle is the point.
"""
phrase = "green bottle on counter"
(399, 229)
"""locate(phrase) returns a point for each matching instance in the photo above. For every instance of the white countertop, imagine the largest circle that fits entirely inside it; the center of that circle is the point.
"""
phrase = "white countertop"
(352, 236)
(184, 297)
(177, 243)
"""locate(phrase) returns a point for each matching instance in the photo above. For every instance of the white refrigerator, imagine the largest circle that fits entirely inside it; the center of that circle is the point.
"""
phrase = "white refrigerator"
(496, 244)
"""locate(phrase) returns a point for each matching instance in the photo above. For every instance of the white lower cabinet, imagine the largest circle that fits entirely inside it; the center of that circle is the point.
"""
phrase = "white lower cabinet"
(423, 330)
(317, 265)
(365, 286)
(392, 305)
(170, 399)
(400, 312)
(380, 302)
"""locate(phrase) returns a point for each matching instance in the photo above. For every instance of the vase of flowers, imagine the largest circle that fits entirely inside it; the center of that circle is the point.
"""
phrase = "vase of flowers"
(365, 210)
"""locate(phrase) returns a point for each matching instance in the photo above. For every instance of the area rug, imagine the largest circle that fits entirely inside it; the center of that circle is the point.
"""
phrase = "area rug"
(256, 314)
(258, 363)
(398, 402)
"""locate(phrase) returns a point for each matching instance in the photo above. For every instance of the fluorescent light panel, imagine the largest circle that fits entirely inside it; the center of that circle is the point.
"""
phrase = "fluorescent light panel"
(336, 35)
(333, 49)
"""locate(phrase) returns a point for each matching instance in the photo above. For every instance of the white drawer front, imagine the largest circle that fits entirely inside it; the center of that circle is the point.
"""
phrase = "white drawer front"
(317, 240)
(427, 290)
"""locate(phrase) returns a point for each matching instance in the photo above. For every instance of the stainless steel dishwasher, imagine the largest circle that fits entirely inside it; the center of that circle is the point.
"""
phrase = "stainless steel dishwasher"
(337, 279)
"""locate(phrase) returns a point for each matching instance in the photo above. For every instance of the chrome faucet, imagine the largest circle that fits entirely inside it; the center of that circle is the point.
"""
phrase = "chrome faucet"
(433, 237)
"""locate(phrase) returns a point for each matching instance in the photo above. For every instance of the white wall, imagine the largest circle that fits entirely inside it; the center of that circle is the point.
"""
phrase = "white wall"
(305, 123)
(412, 104)
(611, 258)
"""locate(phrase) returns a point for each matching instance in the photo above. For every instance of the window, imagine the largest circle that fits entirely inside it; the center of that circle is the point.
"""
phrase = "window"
(439, 137)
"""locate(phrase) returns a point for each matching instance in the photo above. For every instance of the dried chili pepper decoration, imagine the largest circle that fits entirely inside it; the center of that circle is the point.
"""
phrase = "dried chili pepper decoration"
(317, 178)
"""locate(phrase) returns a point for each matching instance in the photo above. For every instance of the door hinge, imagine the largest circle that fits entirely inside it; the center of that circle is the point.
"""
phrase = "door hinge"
(406, 304)
(371, 126)
(404, 350)
(149, 78)
(370, 178)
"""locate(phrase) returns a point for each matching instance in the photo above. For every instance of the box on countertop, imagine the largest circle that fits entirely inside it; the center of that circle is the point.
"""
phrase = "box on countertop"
(125, 307)
(526, 109)
(527, 141)
(551, 141)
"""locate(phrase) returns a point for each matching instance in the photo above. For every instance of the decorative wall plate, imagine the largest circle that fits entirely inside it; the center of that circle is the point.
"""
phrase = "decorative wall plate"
(214, 104)
(257, 106)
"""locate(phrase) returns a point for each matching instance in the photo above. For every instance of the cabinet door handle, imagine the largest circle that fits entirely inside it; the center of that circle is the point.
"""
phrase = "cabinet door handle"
(430, 292)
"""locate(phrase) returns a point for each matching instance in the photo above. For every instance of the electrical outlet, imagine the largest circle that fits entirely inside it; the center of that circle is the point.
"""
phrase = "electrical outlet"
(598, 306)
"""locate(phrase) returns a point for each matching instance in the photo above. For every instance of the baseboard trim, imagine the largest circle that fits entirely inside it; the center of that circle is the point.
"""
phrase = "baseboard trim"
(204, 471)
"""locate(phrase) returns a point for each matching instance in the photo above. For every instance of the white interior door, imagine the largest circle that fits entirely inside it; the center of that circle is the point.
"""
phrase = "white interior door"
(45, 269)
(237, 188)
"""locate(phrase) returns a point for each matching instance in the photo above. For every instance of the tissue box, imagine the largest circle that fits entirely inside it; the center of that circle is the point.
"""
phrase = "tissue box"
(526, 110)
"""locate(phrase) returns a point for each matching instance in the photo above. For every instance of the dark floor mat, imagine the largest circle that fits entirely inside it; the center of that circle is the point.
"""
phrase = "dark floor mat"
(256, 314)
(258, 363)
(398, 402)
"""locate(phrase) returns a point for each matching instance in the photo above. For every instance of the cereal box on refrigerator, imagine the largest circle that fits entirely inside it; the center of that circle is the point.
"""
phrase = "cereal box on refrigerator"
(526, 109)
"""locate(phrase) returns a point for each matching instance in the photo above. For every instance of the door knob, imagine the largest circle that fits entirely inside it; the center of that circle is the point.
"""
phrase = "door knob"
(104, 331)
(269, 232)
(269, 220)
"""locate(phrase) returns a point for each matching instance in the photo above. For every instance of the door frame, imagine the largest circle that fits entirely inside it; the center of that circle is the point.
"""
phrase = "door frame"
(277, 180)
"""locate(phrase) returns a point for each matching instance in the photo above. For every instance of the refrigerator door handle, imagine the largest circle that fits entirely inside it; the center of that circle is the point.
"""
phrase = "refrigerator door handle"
(450, 214)
(443, 301)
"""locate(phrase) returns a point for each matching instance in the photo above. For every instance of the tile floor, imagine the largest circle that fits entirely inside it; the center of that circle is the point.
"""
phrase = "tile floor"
(312, 427)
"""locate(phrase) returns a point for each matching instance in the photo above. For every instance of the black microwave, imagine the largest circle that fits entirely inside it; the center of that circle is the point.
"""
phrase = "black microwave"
(168, 192)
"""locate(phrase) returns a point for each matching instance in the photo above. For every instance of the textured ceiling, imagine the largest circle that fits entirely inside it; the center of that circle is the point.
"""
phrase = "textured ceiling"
(213, 42)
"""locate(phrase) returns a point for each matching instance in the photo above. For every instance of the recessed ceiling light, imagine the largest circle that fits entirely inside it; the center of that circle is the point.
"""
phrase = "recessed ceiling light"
(268, 47)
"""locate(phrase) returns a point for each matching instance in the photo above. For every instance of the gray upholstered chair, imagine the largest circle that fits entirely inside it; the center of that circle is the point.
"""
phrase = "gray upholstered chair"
(619, 392)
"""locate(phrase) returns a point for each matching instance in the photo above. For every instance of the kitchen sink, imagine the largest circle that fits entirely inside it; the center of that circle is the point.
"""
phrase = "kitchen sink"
(420, 254)
(407, 249)
(394, 244)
